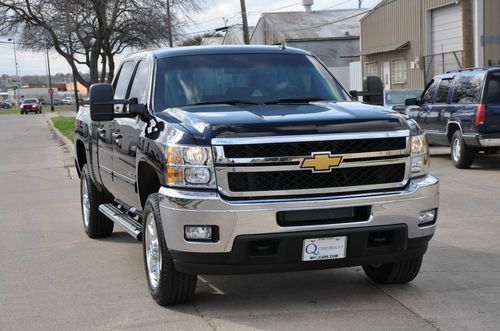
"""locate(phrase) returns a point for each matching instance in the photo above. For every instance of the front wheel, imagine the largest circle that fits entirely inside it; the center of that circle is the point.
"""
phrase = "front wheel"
(394, 273)
(462, 155)
(166, 285)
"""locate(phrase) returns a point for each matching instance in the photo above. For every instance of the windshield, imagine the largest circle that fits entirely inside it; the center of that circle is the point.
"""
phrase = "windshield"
(399, 97)
(30, 101)
(250, 78)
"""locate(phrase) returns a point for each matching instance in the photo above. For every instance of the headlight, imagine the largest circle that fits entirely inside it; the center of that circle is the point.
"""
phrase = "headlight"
(420, 158)
(189, 166)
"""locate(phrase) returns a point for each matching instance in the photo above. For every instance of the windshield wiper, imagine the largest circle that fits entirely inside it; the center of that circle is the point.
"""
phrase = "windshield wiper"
(229, 102)
(294, 100)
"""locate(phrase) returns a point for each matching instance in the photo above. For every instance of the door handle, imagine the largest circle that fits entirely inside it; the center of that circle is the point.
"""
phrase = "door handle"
(116, 135)
(102, 132)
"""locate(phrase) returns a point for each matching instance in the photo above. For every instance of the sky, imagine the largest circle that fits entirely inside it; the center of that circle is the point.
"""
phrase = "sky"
(212, 15)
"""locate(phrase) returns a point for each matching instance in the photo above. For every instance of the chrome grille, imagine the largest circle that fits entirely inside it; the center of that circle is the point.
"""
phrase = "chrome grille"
(271, 166)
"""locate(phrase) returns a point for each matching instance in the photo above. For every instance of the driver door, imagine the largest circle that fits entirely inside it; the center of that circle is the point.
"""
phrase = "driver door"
(107, 131)
(127, 132)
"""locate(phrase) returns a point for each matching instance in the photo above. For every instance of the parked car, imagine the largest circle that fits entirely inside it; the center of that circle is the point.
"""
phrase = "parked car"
(57, 101)
(42, 101)
(31, 105)
(462, 109)
(68, 101)
(4, 104)
(272, 169)
(395, 99)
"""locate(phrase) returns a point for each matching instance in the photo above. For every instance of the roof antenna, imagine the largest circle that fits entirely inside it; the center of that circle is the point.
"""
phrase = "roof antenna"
(283, 45)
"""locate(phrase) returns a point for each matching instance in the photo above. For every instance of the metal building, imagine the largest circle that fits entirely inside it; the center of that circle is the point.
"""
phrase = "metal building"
(407, 42)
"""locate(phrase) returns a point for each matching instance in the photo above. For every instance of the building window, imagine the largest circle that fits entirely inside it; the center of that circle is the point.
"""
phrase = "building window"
(371, 69)
(398, 71)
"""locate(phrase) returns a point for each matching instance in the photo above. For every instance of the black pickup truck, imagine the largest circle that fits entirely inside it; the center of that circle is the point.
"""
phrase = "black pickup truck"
(251, 159)
(461, 109)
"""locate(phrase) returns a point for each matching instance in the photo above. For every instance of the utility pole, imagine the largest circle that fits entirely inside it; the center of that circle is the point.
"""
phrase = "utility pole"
(50, 80)
(467, 34)
(169, 18)
(246, 37)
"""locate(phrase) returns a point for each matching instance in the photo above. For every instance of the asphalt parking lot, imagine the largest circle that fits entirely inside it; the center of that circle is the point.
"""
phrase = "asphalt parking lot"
(54, 277)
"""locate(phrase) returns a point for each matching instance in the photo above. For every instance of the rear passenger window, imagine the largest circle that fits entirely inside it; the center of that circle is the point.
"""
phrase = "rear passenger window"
(442, 91)
(428, 96)
(140, 85)
(493, 89)
(468, 89)
(122, 83)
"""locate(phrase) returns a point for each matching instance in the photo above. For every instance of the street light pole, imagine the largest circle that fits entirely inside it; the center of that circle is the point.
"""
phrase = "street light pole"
(16, 65)
(50, 82)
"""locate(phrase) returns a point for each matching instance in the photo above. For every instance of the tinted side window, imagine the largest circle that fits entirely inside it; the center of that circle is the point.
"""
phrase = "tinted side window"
(122, 83)
(468, 89)
(140, 83)
(428, 96)
(442, 91)
(493, 90)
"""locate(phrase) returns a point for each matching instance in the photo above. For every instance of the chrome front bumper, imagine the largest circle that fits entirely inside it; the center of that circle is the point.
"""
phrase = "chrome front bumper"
(235, 218)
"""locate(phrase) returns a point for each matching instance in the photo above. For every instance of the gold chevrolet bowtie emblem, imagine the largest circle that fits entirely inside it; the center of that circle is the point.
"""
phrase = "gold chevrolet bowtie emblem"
(321, 162)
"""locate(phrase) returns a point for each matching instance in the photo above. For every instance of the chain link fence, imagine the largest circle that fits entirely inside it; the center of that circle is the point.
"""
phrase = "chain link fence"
(441, 63)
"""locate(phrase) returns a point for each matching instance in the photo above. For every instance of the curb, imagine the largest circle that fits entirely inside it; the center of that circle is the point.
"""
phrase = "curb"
(59, 136)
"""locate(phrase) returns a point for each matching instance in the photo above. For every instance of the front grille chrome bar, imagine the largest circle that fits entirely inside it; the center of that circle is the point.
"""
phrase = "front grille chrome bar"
(224, 166)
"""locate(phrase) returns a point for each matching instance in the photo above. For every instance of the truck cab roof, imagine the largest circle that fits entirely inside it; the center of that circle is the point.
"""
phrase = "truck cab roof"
(208, 50)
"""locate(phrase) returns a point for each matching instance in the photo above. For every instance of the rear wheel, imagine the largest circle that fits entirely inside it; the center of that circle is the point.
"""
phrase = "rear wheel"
(96, 225)
(166, 285)
(462, 155)
(394, 273)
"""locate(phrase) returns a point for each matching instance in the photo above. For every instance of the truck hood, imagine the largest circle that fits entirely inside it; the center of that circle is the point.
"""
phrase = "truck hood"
(227, 121)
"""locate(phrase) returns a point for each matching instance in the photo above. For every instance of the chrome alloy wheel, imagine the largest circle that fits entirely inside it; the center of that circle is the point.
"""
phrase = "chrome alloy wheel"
(153, 251)
(85, 203)
(457, 150)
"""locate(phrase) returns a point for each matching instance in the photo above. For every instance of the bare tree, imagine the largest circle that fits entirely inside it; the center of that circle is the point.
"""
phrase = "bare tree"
(92, 32)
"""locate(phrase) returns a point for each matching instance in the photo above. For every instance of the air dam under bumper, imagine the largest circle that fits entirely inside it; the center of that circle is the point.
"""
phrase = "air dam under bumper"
(243, 223)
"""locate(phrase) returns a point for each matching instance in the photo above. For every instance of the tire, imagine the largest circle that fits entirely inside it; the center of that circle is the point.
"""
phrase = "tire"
(166, 285)
(394, 273)
(96, 225)
(462, 155)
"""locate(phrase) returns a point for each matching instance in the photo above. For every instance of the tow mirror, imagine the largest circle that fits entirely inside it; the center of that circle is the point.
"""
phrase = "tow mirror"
(373, 90)
(411, 102)
(101, 102)
(354, 93)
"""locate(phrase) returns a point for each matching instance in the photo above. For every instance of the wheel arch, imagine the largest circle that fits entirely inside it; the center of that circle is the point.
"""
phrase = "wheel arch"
(451, 128)
(148, 181)
(81, 156)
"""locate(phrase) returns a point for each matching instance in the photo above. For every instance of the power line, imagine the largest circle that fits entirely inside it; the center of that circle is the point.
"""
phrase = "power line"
(250, 13)
(337, 5)
(319, 25)
(344, 18)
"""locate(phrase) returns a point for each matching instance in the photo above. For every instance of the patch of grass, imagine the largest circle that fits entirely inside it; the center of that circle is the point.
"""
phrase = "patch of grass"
(9, 111)
(64, 125)
(61, 108)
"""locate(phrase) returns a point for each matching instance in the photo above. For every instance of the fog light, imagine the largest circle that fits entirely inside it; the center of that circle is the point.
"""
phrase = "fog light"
(198, 232)
(427, 217)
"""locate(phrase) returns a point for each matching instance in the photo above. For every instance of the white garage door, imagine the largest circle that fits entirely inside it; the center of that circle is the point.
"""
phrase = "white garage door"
(446, 29)
(446, 36)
